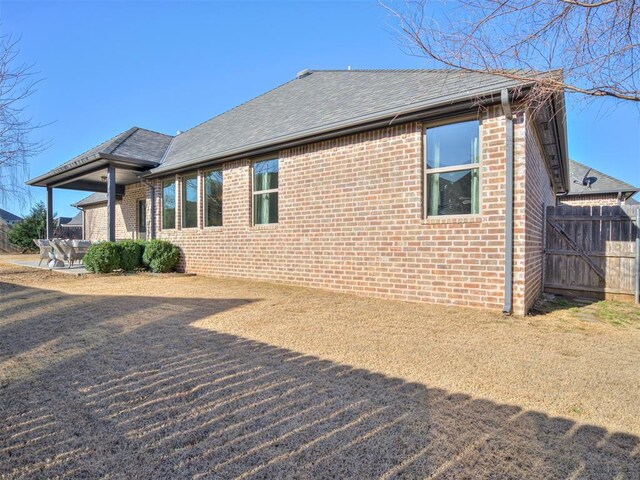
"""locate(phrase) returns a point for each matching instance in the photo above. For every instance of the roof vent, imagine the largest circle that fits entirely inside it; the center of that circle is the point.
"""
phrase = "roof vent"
(178, 132)
(303, 73)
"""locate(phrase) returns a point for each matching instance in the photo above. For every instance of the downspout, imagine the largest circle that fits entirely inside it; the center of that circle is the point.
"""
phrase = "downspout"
(152, 189)
(508, 223)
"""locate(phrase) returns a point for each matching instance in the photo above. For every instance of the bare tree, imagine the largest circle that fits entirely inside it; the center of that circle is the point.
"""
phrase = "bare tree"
(17, 83)
(592, 45)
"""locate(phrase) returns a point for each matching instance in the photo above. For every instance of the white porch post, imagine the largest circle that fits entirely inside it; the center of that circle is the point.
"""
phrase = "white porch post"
(111, 203)
(49, 223)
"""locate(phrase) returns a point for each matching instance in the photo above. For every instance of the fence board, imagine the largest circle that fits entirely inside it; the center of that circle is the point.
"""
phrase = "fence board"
(591, 250)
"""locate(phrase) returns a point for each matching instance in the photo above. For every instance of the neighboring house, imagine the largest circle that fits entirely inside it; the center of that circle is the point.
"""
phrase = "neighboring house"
(399, 184)
(590, 187)
(68, 227)
(8, 218)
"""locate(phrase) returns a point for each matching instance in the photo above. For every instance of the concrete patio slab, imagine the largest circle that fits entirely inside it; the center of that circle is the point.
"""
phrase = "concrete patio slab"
(74, 270)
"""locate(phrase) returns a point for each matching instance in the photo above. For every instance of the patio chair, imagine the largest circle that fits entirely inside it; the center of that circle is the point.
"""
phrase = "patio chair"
(70, 251)
(58, 254)
(45, 248)
(78, 249)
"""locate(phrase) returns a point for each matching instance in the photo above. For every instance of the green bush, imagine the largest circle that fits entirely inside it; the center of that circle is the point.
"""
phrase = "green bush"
(131, 254)
(103, 257)
(161, 256)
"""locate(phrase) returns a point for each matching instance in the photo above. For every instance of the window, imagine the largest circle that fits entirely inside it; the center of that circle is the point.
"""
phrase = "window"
(169, 204)
(265, 192)
(190, 201)
(213, 198)
(452, 169)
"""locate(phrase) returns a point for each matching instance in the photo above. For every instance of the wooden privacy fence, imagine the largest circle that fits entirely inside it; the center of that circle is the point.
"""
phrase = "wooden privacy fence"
(592, 251)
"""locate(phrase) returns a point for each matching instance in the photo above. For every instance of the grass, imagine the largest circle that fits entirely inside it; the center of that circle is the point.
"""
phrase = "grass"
(619, 314)
(193, 377)
(616, 314)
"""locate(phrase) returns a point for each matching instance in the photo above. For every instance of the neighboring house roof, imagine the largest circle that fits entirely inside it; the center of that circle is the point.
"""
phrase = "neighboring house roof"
(75, 221)
(321, 101)
(586, 180)
(9, 217)
(93, 199)
(137, 145)
(62, 221)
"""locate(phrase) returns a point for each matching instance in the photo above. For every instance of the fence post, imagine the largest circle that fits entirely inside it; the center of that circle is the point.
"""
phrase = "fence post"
(638, 255)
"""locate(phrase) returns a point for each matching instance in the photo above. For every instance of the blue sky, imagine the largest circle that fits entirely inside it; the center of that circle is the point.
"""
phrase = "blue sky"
(167, 66)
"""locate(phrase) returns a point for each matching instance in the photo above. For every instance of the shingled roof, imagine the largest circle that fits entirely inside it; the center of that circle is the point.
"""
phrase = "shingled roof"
(74, 222)
(316, 105)
(586, 180)
(145, 147)
(93, 199)
(324, 100)
(9, 217)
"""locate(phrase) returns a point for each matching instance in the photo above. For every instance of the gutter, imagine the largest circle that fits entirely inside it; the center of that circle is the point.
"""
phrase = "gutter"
(419, 113)
(508, 224)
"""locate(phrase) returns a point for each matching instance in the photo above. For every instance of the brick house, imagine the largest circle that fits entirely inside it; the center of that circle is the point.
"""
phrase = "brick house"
(422, 185)
(590, 187)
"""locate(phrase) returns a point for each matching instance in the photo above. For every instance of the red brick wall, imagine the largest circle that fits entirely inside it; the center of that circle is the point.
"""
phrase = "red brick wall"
(597, 200)
(535, 193)
(351, 219)
(95, 216)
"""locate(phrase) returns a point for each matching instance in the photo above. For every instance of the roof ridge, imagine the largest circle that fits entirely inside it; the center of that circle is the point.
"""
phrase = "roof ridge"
(130, 132)
(81, 155)
(224, 112)
(384, 70)
(603, 174)
(154, 131)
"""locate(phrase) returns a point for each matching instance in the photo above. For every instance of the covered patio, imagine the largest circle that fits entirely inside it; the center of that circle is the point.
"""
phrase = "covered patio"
(107, 168)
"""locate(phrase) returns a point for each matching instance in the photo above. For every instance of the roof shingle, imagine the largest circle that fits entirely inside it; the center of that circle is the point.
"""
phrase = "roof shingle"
(135, 144)
(586, 180)
(323, 101)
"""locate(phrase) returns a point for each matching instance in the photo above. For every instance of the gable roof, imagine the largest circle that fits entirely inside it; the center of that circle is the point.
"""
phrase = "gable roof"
(589, 181)
(93, 199)
(315, 106)
(74, 222)
(137, 145)
(8, 216)
(319, 101)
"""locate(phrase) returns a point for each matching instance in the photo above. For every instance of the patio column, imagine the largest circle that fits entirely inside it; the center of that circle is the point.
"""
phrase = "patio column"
(111, 203)
(49, 223)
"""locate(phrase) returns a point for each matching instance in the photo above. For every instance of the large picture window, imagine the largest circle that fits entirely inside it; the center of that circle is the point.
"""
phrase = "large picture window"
(169, 204)
(213, 198)
(265, 192)
(452, 169)
(190, 201)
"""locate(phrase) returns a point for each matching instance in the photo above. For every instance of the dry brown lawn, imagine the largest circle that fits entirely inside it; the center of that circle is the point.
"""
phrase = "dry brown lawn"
(145, 376)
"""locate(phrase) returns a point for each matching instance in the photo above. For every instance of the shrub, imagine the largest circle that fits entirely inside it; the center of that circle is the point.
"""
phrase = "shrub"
(131, 254)
(103, 257)
(161, 256)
